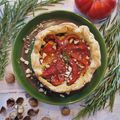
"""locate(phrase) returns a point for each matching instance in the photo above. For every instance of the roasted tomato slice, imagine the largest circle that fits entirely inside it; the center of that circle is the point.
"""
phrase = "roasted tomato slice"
(66, 39)
(56, 80)
(81, 46)
(75, 54)
(48, 72)
(75, 72)
(85, 62)
(49, 47)
(55, 68)
(49, 59)
(60, 65)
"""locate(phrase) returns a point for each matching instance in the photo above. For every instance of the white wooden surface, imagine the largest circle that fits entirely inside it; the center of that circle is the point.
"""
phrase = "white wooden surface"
(53, 112)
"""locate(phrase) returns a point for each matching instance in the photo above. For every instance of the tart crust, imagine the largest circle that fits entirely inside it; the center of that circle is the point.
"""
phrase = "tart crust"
(82, 32)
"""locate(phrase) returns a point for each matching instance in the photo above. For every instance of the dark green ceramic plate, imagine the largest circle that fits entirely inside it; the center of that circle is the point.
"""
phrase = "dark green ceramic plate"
(20, 74)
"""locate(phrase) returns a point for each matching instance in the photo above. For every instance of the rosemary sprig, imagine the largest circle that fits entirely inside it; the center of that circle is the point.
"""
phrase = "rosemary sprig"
(12, 20)
(110, 84)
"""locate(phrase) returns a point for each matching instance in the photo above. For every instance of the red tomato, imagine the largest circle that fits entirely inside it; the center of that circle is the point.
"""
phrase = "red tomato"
(68, 37)
(75, 72)
(60, 65)
(48, 72)
(96, 9)
(49, 47)
(85, 62)
(56, 80)
(81, 46)
(48, 59)
(55, 68)
(76, 55)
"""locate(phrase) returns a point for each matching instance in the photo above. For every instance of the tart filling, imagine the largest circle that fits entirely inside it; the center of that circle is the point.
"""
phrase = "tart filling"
(65, 56)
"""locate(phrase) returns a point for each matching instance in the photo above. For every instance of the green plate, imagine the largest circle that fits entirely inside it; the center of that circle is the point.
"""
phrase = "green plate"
(20, 74)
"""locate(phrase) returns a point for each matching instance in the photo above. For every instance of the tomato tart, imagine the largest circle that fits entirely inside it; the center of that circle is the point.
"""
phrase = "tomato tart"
(65, 57)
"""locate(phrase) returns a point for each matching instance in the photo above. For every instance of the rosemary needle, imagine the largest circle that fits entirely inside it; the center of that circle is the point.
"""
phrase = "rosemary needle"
(110, 84)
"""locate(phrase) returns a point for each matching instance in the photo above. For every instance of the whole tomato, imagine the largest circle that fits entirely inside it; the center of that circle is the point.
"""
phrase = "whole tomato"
(96, 9)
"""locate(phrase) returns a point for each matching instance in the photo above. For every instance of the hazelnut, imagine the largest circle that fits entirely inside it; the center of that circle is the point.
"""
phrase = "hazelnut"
(8, 118)
(20, 101)
(27, 118)
(32, 112)
(33, 102)
(10, 78)
(65, 111)
(2, 110)
(16, 118)
(10, 102)
(20, 116)
(45, 118)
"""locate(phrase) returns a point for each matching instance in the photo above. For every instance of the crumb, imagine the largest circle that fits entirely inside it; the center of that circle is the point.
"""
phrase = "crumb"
(83, 40)
(24, 39)
(45, 92)
(41, 90)
(76, 42)
(44, 55)
(28, 71)
(71, 40)
(87, 57)
(88, 48)
(61, 95)
(67, 93)
(47, 66)
(28, 75)
(24, 61)
(27, 38)
(54, 47)
(41, 85)
(41, 25)
(26, 51)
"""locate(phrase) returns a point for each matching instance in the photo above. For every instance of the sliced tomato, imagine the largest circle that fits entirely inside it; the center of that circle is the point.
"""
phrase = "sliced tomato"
(83, 46)
(60, 65)
(85, 62)
(75, 72)
(48, 48)
(75, 54)
(68, 37)
(49, 59)
(71, 36)
(56, 80)
(48, 72)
